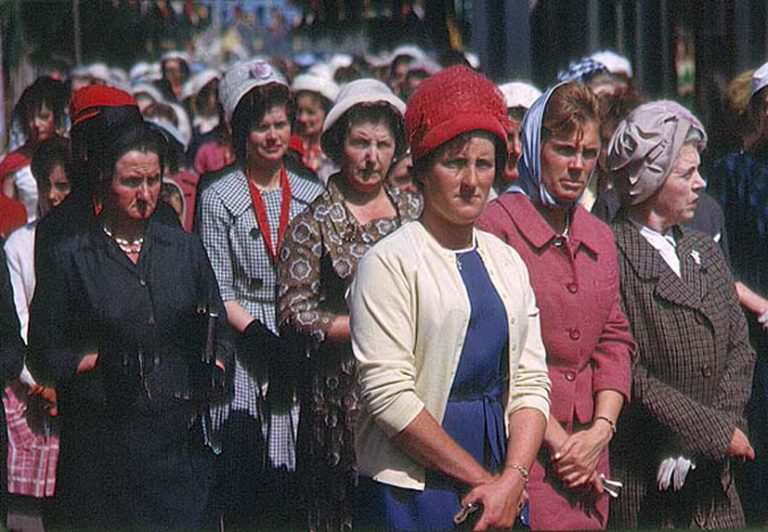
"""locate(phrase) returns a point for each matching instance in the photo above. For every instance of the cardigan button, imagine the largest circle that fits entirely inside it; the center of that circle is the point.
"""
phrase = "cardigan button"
(572, 287)
(574, 334)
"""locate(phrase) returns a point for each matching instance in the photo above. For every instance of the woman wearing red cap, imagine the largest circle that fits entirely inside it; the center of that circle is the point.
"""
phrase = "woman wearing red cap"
(135, 300)
(446, 333)
(363, 133)
(572, 260)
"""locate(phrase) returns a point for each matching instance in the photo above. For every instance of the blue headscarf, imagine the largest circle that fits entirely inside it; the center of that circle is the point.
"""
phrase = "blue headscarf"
(529, 165)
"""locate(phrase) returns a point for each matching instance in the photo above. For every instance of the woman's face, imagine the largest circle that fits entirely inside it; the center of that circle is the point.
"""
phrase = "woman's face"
(135, 186)
(173, 71)
(42, 124)
(309, 115)
(268, 140)
(514, 149)
(567, 161)
(369, 148)
(57, 189)
(456, 189)
(676, 200)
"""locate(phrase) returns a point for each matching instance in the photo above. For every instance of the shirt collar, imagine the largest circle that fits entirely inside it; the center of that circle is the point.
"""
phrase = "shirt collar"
(539, 233)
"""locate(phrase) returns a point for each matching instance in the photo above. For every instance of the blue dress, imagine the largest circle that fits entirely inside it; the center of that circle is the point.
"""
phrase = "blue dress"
(474, 416)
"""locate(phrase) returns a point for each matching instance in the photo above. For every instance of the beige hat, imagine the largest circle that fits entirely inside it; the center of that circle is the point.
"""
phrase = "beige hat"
(645, 146)
(241, 79)
(519, 94)
(318, 84)
(361, 91)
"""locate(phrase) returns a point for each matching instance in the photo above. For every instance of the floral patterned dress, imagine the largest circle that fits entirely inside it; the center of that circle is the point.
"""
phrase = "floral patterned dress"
(317, 263)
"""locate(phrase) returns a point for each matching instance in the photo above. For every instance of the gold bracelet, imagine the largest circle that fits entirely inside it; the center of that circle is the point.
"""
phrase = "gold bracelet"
(610, 422)
(520, 469)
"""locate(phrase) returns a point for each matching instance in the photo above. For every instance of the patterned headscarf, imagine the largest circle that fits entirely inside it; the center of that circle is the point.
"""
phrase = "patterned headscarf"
(645, 146)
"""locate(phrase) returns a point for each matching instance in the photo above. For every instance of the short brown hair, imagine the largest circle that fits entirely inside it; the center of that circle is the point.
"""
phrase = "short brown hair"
(570, 107)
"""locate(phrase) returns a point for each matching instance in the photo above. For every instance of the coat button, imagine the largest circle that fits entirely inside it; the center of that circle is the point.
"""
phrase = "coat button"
(574, 334)
(558, 243)
(572, 287)
(706, 371)
(142, 282)
(570, 376)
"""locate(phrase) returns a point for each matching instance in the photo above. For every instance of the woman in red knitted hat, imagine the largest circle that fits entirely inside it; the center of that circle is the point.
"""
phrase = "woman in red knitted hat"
(573, 263)
(446, 333)
(363, 133)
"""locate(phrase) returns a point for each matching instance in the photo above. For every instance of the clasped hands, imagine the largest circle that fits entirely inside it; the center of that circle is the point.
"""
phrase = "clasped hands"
(576, 457)
(502, 497)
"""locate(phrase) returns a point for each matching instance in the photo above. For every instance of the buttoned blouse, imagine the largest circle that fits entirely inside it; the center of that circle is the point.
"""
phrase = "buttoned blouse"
(576, 281)
(235, 243)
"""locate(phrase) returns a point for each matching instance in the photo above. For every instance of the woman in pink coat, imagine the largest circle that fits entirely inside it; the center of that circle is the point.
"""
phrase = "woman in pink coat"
(572, 260)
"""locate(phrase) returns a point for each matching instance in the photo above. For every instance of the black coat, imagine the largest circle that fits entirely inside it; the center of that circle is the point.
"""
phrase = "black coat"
(141, 319)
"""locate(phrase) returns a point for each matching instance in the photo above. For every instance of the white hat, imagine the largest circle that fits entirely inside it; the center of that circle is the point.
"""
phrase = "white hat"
(519, 94)
(176, 54)
(241, 78)
(378, 60)
(146, 88)
(313, 83)
(340, 61)
(424, 64)
(361, 91)
(472, 59)
(139, 72)
(118, 78)
(321, 70)
(615, 63)
(410, 50)
(759, 78)
(168, 128)
(196, 83)
(99, 71)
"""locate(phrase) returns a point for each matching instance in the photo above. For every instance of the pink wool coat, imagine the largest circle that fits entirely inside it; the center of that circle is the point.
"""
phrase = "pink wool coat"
(586, 335)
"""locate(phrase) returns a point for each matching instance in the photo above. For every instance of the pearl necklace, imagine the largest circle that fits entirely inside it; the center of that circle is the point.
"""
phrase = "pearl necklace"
(129, 247)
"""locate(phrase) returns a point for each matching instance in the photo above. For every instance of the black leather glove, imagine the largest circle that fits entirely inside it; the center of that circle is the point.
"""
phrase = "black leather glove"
(257, 341)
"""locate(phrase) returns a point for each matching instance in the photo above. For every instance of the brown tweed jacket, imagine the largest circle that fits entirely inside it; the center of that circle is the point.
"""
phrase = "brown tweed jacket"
(690, 384)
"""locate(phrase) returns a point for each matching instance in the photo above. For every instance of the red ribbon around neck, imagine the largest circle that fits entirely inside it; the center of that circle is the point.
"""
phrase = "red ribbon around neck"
(261, 214)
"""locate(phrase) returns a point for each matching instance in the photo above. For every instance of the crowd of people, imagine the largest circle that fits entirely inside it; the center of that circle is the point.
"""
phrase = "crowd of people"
(380, 292)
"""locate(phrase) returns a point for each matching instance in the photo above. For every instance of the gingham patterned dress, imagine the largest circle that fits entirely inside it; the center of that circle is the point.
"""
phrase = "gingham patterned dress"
(245, 272)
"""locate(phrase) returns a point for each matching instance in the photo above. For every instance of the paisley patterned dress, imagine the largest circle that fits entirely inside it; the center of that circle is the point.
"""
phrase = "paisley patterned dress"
(317, 263)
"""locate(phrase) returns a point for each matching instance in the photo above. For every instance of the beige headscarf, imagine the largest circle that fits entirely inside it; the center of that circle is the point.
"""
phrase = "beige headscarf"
(646, 144)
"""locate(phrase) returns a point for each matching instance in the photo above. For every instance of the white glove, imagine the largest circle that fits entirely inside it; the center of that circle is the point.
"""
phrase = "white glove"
(664, 474)
(673, 467)
(682, 468)
(763, 319)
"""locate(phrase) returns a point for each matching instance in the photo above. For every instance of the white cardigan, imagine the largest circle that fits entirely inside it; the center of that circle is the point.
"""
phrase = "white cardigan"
(409, 314)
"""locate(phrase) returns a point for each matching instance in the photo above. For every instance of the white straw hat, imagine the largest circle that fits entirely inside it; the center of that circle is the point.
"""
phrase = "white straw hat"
(241, 79)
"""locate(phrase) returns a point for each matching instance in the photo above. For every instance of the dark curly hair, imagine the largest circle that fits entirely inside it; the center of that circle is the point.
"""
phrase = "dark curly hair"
(250, 112)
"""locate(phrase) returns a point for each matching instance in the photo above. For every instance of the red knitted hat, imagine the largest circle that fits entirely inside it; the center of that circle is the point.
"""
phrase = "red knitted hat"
(86, 101)
(453, 101)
